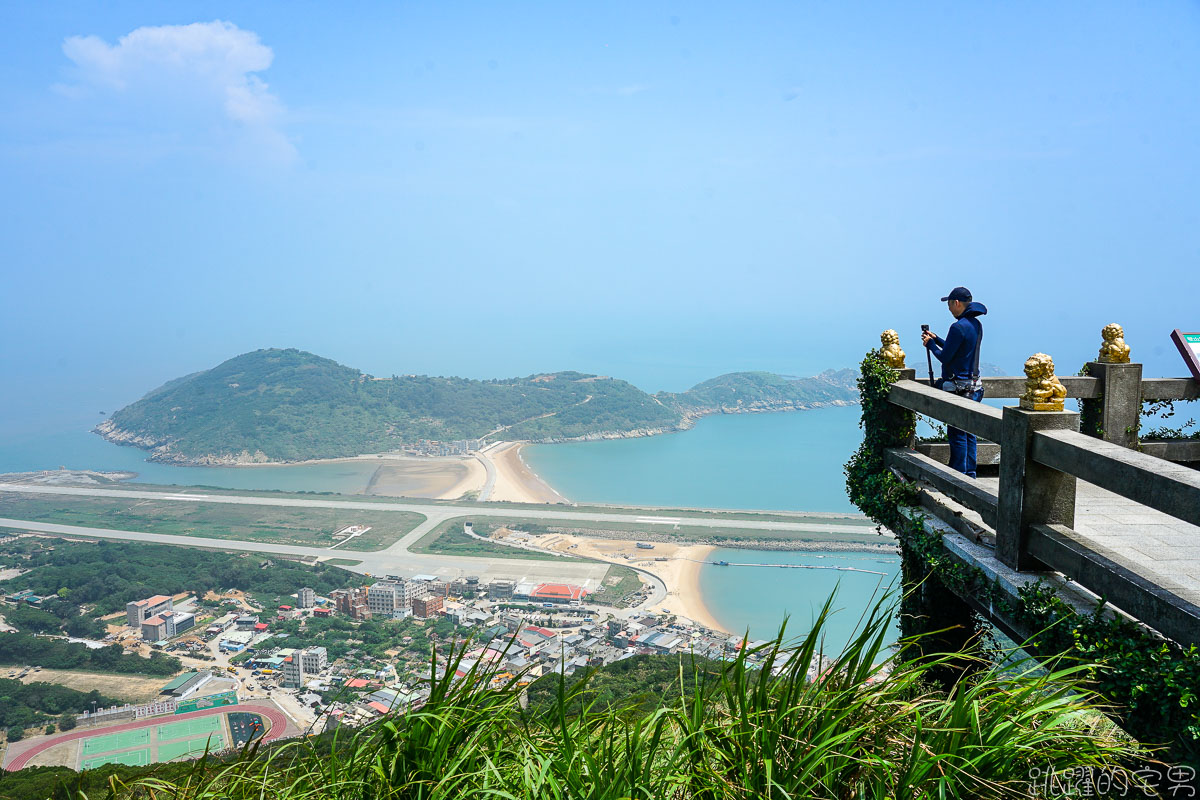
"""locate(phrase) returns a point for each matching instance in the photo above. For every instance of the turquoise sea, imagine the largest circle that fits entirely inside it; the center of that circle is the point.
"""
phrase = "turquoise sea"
(780, 461)
(81, 449)
(758, 599)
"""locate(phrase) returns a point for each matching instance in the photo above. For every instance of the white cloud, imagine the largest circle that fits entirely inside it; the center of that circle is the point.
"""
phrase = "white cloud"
(187, 74)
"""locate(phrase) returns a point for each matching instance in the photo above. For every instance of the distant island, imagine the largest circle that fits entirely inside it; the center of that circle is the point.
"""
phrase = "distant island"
(280, 406)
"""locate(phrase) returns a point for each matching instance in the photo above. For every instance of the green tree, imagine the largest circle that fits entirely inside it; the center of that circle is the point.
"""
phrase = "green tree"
(16, 733)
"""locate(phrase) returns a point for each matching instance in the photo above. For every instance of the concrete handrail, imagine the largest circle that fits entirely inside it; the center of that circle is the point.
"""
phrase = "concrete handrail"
(1170, 488)
(947, 407)
(1170, 389)
(1087, 388)
(1078, 386)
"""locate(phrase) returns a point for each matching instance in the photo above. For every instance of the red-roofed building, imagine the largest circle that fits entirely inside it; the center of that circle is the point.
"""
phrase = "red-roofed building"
(357, 683)
(379, 708)
(558, 593)
(260, 627)
(140, 611)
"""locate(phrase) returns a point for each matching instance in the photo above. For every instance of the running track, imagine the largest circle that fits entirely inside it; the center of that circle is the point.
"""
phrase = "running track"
(278, 726)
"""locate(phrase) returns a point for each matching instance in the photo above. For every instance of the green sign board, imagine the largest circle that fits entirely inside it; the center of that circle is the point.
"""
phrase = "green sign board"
(229, 698)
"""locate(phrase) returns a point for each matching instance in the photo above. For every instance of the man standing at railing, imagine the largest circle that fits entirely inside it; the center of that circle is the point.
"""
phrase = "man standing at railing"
(959, 354)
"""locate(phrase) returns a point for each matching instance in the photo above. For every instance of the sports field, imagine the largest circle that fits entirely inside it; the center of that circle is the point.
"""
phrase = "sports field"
(188, 727)
(133, 758)
(169, 751)
(116, 741)
(150, 741)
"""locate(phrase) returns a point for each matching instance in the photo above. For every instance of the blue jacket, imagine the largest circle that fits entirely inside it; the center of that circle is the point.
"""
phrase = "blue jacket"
(957, 350)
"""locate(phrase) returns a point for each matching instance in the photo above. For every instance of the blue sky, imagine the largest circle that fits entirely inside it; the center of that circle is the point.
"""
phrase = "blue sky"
(660, 192)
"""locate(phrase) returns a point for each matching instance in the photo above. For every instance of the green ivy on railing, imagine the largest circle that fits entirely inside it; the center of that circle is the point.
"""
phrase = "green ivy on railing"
(1153, 684)
(873, 487)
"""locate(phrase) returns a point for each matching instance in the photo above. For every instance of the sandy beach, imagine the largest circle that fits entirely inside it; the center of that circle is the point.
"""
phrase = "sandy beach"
(450, 478)
(398, 475)
(515, 481)
(436, 478)
(680, 571)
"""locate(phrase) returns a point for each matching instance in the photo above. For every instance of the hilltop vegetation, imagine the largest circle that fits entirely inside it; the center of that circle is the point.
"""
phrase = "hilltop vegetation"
(23, 705)
(104, 576)
(765, 391)
(289, 405)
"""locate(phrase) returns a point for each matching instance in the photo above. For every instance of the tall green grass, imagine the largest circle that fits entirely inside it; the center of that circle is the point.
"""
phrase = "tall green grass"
(869, 726)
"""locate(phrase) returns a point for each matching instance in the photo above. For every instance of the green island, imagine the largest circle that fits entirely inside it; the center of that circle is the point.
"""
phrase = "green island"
(310, 527)
(288, 405)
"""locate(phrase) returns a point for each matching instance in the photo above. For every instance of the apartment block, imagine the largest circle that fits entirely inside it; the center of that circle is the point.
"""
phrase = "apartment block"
(427, 606)
(139, 611)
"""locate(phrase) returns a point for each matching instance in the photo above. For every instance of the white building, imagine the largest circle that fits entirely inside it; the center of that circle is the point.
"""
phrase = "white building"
(385, 598)
(314, 659)
(306, 598)
(303, 663)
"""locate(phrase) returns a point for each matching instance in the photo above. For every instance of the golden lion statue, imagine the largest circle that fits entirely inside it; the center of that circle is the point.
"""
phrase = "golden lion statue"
(1043, 391)
(891, 351)
(1114, 350)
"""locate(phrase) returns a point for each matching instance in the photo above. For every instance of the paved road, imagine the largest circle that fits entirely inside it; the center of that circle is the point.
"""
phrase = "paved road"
(490, 483)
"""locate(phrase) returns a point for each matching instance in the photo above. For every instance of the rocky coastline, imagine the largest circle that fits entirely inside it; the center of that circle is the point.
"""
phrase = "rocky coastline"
(163, 451)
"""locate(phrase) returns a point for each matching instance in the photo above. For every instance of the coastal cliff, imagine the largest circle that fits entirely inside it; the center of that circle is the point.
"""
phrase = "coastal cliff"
(288, 406)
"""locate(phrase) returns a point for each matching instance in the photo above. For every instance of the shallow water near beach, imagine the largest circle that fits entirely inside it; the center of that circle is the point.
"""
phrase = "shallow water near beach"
(758, 599)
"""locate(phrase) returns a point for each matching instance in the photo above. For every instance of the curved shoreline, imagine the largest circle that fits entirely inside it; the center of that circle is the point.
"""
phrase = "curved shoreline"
(108, 431)
(515, 481)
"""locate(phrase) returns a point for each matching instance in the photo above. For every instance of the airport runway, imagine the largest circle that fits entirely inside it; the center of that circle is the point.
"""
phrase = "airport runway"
(398, 559)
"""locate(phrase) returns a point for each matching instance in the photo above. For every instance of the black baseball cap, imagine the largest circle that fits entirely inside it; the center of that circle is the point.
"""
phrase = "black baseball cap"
(959, 293)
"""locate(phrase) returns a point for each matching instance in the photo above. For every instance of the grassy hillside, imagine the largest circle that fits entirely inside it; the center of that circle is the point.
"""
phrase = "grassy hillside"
(289, 405)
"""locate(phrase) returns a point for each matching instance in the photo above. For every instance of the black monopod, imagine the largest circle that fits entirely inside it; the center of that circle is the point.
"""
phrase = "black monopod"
(928, 354)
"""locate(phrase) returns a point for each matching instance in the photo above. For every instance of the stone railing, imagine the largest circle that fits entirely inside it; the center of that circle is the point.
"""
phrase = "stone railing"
(1029, 517)
(1118, 390)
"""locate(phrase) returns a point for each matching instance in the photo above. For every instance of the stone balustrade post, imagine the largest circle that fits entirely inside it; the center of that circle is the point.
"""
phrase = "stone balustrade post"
(1030, 493)
(1121, 401)
(896, 411)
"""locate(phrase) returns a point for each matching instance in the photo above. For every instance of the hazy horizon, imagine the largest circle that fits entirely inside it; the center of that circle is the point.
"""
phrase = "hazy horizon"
(655, 192)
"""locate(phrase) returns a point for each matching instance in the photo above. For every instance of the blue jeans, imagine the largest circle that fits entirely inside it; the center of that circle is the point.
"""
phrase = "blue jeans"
(962, 446)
